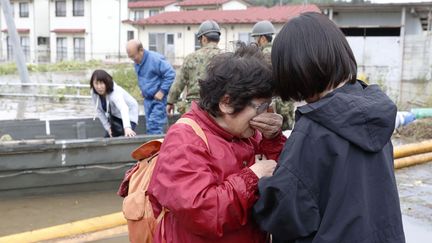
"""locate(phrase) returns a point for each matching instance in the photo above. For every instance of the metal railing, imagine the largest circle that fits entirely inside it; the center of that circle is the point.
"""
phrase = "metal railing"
(54, 90)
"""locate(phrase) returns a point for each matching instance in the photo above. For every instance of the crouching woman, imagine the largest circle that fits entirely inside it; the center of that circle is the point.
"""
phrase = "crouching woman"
(116, 109)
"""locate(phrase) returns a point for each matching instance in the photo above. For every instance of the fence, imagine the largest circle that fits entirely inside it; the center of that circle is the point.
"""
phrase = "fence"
(45, 90)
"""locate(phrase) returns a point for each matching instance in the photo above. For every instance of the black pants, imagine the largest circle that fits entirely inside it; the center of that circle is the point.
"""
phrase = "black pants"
(117, 127)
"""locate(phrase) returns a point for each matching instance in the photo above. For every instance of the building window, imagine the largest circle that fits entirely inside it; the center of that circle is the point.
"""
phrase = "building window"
(78, 7)
(25, 46)
(139, 14)
(23, 10)
(10, 54)
(245, 37)
(42, 40)
(157, 42)
(170, 39)
(79, 48)
(60, 8)
(130, 35)
(61, 48)
(153, 12)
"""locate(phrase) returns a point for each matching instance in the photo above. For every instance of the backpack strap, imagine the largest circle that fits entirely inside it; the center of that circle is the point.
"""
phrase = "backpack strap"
(197, 129)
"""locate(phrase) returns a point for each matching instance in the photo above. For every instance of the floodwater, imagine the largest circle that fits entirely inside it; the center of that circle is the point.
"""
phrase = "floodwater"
(24, 213)
(36, 108)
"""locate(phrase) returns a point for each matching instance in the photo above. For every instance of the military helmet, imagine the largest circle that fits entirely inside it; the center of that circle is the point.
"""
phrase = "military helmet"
(264, 27)
(209, 27)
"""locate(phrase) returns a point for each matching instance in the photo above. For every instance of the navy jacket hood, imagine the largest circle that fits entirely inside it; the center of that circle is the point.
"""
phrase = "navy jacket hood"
(361, 114)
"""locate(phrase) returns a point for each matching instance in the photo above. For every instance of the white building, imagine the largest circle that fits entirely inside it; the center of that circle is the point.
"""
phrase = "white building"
(174, 33)
(85, 30)
(33, 35)
(56, 30)
(144, 9)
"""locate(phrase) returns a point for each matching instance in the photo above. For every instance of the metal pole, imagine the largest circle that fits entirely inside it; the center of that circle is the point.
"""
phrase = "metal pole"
(402, 47)
(13, 37)
(119, 31)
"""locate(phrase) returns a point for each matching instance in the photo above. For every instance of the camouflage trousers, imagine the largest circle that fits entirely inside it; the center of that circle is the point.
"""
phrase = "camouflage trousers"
(286, 109)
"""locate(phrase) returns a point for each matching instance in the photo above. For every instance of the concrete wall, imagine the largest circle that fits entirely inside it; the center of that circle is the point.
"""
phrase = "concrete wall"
(107, 36)
(407, 82)
(417, 57)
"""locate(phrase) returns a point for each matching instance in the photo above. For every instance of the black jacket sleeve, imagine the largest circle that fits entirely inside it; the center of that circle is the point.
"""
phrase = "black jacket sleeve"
(287, 207)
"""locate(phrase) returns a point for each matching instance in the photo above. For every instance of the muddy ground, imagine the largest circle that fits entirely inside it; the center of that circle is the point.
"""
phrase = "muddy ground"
(418, 130)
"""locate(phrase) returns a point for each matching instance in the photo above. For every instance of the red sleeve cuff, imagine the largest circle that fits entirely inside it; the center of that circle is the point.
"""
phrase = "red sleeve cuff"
(251, 182)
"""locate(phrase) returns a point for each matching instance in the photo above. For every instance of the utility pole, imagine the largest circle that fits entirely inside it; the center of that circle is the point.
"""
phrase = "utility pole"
(19, 55)
(119, 30)
(13, 38)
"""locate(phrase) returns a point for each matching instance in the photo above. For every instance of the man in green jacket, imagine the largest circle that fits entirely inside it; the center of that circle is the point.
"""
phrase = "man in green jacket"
(263, 32)
(193, 68)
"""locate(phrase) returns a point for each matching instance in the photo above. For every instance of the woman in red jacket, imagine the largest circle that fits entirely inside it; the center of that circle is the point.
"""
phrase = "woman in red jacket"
(209, 191)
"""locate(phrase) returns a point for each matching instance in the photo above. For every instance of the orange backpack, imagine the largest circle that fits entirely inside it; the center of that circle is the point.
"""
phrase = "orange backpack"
(137, 208)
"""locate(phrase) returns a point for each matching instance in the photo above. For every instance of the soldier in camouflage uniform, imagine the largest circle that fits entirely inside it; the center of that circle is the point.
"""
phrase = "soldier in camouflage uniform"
(193, 68)
(263, 32)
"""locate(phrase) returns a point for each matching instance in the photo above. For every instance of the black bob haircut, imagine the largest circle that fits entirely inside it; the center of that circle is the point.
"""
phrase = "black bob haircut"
(310, 55)
(104, 77)
(243, 76)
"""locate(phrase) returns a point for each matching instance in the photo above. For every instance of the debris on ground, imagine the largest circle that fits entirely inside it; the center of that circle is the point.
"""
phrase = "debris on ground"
(419, 129)
(6, 138)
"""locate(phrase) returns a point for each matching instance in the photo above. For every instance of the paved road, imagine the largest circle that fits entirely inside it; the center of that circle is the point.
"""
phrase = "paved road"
(415, 193)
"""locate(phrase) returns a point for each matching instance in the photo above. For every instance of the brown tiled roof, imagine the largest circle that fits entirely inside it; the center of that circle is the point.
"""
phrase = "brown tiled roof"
(68, 31)
(278, 14)
(201, 2)
(150, 4)
(21, 31)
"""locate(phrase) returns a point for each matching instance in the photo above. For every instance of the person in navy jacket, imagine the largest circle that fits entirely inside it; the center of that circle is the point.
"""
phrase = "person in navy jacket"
(334, 181)
(155, 77)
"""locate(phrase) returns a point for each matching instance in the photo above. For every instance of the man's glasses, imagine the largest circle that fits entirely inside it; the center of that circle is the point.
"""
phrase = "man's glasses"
(261, 108)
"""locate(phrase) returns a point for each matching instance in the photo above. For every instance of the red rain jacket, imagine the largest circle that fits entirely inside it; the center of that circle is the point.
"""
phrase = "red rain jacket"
(209, 192)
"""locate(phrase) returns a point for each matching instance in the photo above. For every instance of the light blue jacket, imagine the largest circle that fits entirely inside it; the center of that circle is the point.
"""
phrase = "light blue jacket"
(154, 74)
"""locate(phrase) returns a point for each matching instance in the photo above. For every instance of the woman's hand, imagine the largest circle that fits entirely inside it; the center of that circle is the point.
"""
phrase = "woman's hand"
(268, 123)
(128, 132)
(263, 167)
